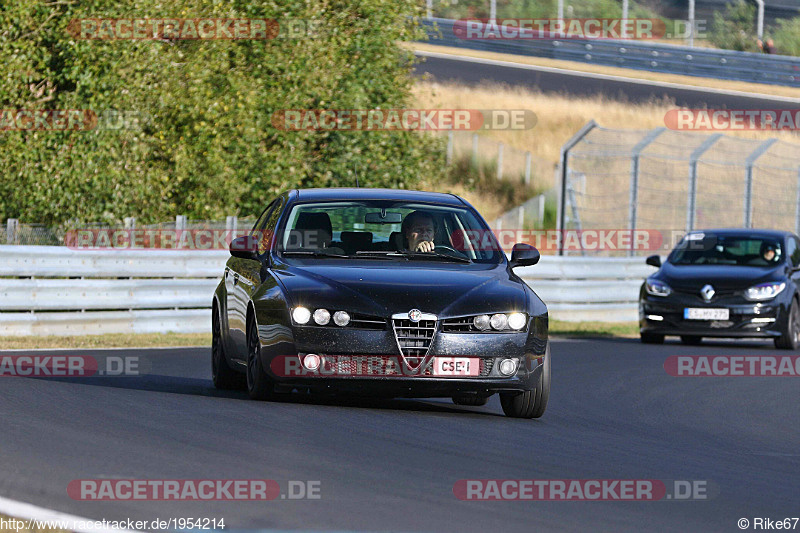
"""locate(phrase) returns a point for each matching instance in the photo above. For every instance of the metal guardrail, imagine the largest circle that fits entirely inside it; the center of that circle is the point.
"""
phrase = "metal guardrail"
(49, 290)
(639, 55)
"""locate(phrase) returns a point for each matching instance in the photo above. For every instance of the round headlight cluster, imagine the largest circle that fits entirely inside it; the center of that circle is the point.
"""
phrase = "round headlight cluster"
(322, 317)
(500, 321)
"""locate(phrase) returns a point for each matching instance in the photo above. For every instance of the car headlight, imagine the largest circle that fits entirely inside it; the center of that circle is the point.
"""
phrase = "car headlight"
(657, 288)
(301, 315)
(517, 320)
(341, 318)
(481, 322)
(764, 291)
(322, 316)
(499, 321)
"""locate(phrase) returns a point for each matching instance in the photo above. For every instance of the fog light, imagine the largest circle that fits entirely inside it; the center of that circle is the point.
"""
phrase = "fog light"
(481, 322)
(655, 318)
(322, 316)
(508, 367)
(311, 361)
(341, 318)
(301, 315)
(516, 320)
(762, 320)
(499, 321)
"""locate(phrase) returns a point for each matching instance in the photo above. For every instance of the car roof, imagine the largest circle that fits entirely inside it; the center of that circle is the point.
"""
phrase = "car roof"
(353, 193)
(743, 232)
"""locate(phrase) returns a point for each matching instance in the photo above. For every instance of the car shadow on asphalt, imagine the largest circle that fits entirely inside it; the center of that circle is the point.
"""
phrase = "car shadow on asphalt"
(204, 387)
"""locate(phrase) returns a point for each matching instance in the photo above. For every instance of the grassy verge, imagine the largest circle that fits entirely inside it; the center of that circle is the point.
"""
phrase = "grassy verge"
(560, 328)
(111, 340)
(758, 88)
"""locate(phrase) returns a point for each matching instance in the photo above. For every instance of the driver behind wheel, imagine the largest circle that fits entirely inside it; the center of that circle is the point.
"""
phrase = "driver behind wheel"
(418, 230)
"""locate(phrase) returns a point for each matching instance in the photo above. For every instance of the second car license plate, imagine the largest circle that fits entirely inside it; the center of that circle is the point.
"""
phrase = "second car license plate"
(706, 314)
(456, 366)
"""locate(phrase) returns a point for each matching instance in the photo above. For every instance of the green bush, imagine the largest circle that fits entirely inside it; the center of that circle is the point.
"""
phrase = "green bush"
(735, 29)
(210, 149)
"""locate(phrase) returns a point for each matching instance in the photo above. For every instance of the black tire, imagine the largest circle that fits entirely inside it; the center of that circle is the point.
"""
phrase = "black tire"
(529, 403)
(475, 401)
(692, 340)
(651, 338)
(259, 385)
(790, 338)
(222, 375)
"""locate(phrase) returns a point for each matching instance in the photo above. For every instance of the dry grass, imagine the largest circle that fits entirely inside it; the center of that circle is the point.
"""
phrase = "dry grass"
(559, 117)
(766, 90)
(112, 340)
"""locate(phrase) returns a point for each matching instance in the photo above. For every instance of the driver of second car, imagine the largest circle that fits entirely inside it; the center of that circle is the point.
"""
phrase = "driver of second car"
(418, 230)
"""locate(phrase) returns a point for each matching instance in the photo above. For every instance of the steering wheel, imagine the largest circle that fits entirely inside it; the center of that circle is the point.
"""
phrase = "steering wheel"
(453, 251)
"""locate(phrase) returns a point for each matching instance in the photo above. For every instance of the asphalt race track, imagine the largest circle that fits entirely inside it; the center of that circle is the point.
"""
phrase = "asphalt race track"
(581, 84)
(391, 464)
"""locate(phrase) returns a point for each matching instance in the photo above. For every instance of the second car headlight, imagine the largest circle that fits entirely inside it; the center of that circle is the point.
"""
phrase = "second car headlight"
(764, 291)
(657, 288)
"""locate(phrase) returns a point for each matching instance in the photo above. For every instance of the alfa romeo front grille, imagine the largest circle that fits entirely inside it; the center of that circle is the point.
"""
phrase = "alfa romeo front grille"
(414, 338)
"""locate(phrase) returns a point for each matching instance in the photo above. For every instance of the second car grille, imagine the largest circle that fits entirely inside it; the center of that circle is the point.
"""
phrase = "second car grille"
(414, 338)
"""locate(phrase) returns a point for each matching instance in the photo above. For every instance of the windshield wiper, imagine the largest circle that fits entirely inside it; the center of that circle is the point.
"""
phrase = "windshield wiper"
(418, 255)
(315, 253)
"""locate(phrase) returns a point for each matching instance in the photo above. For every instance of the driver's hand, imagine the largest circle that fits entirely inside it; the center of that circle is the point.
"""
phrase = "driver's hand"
(425, 246)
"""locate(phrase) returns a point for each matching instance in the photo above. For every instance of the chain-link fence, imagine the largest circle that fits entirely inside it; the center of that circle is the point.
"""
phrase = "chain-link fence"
(668, 182)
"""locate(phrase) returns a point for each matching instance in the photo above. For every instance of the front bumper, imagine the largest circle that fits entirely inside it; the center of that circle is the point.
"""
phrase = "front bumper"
(665, 316)
(527, 347)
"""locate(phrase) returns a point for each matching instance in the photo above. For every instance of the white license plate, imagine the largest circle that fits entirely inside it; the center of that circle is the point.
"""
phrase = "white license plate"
(456, 366)
(706, 314)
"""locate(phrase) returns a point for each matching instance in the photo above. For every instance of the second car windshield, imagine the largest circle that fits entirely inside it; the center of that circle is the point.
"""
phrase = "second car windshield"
(705, 249)
(374, 229)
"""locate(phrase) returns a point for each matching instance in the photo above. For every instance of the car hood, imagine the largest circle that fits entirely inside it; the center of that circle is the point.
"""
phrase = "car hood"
(694, 277)
(385, 289)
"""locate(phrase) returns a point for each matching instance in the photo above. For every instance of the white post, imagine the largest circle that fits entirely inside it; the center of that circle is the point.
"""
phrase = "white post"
(12, 226)
(129, 222)
(760, 29)
(560, 9)
(492, 11)
(450, 147)
(429, 10)
(230, 225)
(180, 222)
(527, 168)
(691, 23)
(624, 17)
(541, 210)
(521, 219)
(500, 161)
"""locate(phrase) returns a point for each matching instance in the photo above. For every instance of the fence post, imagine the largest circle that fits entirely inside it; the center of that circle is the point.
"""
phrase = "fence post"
(541, 210)
(521, 218)
(500, 161)
(129, 222)
(230, 226)
(748, 181)
(12, 227)
(797, 211)
(527, 168)
(449, 147)
(180, 222)
(429, 9)
(475, 149)
(693, 159)
(564, 167)
(633, 200)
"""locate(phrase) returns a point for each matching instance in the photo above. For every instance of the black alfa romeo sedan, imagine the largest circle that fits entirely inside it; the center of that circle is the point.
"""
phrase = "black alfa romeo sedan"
(725, 283)
(380, 292)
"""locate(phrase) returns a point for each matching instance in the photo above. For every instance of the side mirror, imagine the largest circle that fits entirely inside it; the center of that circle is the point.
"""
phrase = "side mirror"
(654, 260)
(245, 247)
(524, 255)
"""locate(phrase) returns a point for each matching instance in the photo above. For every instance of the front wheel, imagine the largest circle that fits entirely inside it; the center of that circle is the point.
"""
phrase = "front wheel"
(259, 385)
(529, 403)
(790, 338)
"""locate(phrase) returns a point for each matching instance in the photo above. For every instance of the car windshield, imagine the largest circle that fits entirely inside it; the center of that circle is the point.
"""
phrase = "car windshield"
(709, 249)
(387, 230)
